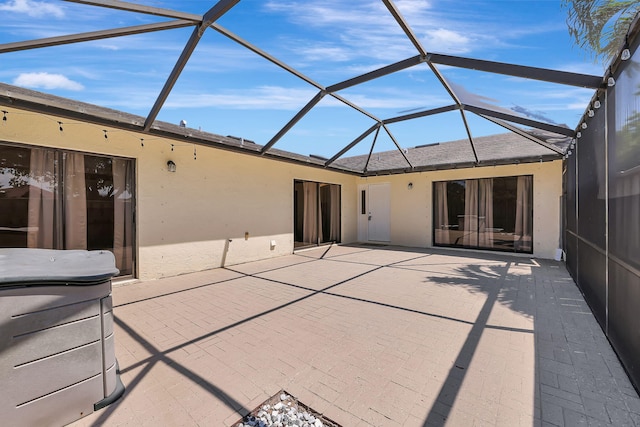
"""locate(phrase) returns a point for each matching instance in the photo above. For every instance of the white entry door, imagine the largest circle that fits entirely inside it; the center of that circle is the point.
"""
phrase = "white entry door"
(379, 212)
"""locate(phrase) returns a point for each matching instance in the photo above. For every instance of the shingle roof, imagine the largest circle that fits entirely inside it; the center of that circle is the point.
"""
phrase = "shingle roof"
(506, 148)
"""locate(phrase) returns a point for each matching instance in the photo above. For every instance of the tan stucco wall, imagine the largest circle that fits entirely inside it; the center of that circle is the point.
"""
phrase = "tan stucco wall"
(186, 219)
(412, 213)
(196, 218)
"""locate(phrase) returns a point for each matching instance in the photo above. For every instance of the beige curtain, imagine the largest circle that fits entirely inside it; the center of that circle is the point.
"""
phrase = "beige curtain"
(470, 237)
(524, 226)
(323, 190)
(486, 213)
(310, 212)
(42, 187)
(335, 213)
(122, 215)
(75, 202)
(442, 228)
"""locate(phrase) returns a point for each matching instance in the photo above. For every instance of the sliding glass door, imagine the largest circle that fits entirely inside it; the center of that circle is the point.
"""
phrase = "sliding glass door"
(489, 213)
(55, 199)
(316, 213)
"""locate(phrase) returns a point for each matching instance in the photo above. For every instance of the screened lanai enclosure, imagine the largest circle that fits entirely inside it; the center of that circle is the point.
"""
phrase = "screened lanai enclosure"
(348, 90)
(602, 230)
(364, 107)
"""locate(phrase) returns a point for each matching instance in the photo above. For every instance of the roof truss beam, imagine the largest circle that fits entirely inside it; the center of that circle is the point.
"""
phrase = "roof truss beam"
(373, 144)
(265, 55)
(93, 35)
(314, 101)
(353, 143)
(212, 15)
(134, 7)
(521, 120)
(534, 73)
(405, 27)
(466, 126)
(389, 69)
(354, 106)
(397, 145)
(416, 43)
(421, 114)
(522, 133)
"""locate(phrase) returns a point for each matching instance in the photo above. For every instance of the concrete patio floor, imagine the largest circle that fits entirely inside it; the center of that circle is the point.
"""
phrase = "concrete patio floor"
(368, 336)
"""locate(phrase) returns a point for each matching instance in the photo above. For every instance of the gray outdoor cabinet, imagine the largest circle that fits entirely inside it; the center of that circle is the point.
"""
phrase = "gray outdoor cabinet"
(57, 355)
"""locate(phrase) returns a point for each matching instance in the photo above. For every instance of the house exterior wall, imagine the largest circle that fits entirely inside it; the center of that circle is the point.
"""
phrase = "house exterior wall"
(196, 218)
(412, 211)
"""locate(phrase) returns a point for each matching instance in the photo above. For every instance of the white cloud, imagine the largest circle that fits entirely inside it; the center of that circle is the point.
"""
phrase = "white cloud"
(326, 53)
(35, 9)
(350, 30)
(447, 41)
(46, 81)
(262, 97)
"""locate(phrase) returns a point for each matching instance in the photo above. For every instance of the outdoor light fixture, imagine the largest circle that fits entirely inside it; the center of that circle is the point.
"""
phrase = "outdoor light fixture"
(584, 125)
(410, 185)
(626, 53)
(579, 134)
(596, 103)
(591, 113)
(611, 82)
(171, 166)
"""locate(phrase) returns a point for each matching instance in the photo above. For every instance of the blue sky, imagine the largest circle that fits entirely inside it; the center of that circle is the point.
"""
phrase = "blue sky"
(228, 90)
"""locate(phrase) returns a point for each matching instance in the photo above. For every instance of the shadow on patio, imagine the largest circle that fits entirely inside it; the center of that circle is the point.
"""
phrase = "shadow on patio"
(368, 336)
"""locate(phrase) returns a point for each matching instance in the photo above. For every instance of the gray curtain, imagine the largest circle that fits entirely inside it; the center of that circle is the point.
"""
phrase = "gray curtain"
(42, 186)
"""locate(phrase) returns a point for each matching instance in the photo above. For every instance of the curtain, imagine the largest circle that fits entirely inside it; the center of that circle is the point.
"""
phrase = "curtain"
(442, 214)
(122, 215)
(42, 187)
(324, 200)
(486, 213)
(470, 237)
(524, 220)
(334, 216)
(75, 202)
(310, 212)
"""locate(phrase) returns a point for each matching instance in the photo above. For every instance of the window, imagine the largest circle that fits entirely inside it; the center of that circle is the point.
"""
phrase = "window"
(316, 213)
(489, 213)
(54, 199)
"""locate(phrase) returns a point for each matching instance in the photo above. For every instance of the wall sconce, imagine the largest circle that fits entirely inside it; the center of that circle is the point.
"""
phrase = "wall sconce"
(171, 166)
(410, 185)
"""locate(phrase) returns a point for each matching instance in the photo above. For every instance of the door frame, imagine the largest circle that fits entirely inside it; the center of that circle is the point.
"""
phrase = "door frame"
(364, 211)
